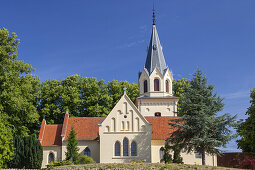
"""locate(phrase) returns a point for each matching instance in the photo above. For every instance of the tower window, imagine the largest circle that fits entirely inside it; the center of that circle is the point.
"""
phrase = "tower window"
(145, 86)
(156, 84)
(158, 114)
(167, 86)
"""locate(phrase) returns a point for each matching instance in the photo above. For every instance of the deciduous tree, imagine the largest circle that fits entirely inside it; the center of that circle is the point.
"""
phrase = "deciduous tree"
(247, 128)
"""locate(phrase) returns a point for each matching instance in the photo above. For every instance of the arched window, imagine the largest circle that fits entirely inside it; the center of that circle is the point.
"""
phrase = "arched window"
(161, 153)
(87, 151)
(51, 158)
(158, 114)
(125, 147)
(133, 149)
(117, 149)
(145, 86)
(156, 84)
(167, 86)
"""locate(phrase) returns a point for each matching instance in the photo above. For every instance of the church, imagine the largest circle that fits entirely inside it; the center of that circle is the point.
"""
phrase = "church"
(130, 131)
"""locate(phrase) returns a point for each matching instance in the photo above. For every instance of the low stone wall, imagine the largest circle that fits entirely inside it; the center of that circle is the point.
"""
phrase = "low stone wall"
(233, 160)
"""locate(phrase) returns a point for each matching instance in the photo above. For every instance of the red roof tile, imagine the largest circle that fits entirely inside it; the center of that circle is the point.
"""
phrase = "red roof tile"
(42, 129)
(52, 135)
(161, 130)
(86, 127)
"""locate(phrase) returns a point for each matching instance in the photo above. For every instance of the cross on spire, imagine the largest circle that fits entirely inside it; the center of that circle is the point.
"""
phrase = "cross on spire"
(153, 16)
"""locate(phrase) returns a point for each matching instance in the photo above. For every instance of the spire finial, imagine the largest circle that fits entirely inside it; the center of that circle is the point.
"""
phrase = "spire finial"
(153, 16)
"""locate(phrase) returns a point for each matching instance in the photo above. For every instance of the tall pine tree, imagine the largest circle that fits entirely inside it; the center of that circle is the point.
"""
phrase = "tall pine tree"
(72, 147)
(247, 129)
(200, 129)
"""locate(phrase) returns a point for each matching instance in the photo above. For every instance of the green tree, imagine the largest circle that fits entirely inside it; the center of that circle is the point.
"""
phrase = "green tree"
(95, 99)
(72, 147)
(58, 96)
(115, 90)
(18, 88)
(247, 128)
(167, 157)
(6, 142)
(200, 129)
(178, 91)
(28, 153)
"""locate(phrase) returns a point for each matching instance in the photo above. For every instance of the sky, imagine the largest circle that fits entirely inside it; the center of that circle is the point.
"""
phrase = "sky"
(108, 40)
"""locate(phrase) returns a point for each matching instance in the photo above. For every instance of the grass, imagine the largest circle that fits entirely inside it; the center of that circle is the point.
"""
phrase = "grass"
(140, 166)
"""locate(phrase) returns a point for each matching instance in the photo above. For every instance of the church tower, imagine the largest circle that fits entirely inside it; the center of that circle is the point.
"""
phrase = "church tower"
(155, 82)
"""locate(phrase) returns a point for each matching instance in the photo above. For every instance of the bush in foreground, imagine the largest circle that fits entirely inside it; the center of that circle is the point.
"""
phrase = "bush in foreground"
(85, 160)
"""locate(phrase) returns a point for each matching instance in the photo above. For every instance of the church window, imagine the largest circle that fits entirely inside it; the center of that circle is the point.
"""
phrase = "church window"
(87, 151)
(51, 158)
(158, 114)
(167, 86)
(156, 84)
(197, 154)
(117, 148)
(125, 147)
(161, 153)
(133, 149)
(145, 86)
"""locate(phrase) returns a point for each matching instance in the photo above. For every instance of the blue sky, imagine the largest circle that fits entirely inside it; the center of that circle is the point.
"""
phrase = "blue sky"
(108, 40)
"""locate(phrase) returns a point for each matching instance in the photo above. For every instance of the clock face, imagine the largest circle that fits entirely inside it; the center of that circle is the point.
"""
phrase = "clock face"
(154, 47)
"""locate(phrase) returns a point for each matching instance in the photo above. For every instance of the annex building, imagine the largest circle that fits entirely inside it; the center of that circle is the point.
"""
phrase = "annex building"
(130, 131)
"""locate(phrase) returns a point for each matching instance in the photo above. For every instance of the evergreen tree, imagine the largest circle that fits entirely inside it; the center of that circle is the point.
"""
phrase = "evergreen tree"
(167, 158)
(177, 154)
(72, 147)
(200, 129)
(28, 153)
(247, 128)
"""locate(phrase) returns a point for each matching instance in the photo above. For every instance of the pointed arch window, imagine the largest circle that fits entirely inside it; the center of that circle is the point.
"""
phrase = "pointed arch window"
(51, 158)
(87, 151)
(156, 84)
(117, 148)
(161, 153)
(145, 86)
(125, 147)
(167, 86)
(133, 149)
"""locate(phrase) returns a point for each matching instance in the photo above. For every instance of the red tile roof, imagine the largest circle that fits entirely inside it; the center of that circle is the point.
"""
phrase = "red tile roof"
(161, 130)
(42, 129)
(86, 127)
(52, 135)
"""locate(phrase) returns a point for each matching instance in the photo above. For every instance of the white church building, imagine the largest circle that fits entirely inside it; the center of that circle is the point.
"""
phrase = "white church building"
(130, 131)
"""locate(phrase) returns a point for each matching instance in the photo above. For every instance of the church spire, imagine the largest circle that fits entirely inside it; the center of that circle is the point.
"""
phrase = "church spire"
(155, 57)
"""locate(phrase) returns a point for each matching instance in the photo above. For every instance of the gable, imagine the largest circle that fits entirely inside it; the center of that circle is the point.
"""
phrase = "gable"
(124, 117)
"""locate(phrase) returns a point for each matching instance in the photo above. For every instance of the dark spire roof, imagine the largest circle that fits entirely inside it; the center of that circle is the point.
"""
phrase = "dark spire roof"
(155, 57)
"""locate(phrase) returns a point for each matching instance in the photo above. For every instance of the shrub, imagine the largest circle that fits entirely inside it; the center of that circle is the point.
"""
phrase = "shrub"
(86, 160)
(60, 163)
(248, 163)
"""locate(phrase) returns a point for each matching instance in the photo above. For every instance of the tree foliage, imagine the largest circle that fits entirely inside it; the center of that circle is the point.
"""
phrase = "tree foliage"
(82, 96)
(6, 142)
(18, 88)
(247, 128)
(178, 91)
(28, 153)
(200, 129)
(72, 147)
